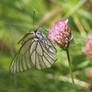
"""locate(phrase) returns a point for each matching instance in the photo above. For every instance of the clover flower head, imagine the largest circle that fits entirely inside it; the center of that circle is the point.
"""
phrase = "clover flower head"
(87, 49)
(60, 33)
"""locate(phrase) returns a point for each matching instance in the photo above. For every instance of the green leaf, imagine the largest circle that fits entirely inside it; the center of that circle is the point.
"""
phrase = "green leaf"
(58, 54)
(84, 64)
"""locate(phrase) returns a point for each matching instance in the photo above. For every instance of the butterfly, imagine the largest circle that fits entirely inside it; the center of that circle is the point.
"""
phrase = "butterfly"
(36, 51)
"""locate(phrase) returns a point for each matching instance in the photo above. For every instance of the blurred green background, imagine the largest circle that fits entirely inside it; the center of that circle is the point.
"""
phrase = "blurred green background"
(16, 18)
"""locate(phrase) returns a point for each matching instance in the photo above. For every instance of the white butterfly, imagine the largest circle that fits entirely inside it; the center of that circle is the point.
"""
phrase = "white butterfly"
(36, 51)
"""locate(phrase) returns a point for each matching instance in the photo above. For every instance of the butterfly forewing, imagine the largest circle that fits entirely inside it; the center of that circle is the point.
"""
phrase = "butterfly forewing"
(25, 38)
(42, 63)
(41, 52)
(22, 60)
(39, 49)
(38, 66)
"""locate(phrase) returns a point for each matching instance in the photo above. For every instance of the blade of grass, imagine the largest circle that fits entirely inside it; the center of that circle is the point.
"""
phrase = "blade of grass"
(86, 14)
(76, 7)
(79, 26)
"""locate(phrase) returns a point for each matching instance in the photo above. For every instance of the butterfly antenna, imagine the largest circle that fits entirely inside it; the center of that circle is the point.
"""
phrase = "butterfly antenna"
(33, 18)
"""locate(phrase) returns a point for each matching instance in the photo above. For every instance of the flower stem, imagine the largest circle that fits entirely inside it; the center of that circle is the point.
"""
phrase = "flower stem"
(70, 68)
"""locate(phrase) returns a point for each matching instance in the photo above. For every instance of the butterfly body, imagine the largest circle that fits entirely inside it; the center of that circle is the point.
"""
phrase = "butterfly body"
(36, 51)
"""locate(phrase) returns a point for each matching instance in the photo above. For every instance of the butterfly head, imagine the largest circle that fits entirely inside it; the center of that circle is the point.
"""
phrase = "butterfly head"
(35, 31)
(38, 34)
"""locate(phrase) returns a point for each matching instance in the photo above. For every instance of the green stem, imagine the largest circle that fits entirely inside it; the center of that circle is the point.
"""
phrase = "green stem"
(70, 68)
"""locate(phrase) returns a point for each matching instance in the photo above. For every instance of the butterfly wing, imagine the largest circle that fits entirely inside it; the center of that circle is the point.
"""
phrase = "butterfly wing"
(33, 52)
(25, 37)
(22, 60)
(42, 53)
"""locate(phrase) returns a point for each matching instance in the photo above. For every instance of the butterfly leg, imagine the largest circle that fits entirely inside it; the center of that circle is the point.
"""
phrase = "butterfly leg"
(25, 43)
(21, 40)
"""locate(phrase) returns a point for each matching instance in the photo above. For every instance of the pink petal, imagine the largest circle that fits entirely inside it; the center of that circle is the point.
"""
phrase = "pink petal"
(90, 36)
